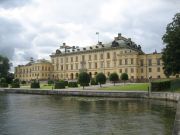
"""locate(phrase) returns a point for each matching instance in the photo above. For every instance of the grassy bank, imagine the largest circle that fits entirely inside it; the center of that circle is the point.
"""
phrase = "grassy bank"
(128, 87)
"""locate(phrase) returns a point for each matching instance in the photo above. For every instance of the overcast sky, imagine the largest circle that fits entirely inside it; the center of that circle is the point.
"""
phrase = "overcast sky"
(36, 28)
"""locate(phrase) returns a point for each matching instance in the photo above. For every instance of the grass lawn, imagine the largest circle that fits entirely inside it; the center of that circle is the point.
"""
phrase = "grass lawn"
(128, 87)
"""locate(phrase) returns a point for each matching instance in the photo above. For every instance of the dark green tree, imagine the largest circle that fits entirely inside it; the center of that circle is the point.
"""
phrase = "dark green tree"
(124, 77)
(83, 79)
(9, 78)
(100, 78)
(114, 77)
(171, 53)
(4, 66)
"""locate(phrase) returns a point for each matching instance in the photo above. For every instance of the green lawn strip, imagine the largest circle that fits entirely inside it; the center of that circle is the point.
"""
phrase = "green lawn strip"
(128, 87)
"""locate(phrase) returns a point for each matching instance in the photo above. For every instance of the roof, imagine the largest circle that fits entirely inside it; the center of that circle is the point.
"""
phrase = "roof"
(118, 42)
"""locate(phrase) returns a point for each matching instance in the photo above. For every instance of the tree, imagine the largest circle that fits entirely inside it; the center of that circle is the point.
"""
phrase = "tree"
(100, 78)
(84, 79)
(9, 78)
(171, 53)
(4, 66)
(124, 77)
(114, 78)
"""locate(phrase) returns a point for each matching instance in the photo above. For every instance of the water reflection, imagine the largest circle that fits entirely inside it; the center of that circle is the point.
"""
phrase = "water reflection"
(55, 115)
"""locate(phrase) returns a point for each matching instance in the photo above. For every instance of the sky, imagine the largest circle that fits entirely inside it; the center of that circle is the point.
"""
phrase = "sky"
(36, 28)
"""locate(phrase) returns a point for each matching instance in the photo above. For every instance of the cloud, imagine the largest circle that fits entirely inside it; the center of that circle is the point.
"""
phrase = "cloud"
(12, 3)
(36, 28)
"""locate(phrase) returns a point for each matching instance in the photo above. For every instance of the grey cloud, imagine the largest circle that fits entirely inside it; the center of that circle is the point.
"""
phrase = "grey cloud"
(13, 3)
(12, 37)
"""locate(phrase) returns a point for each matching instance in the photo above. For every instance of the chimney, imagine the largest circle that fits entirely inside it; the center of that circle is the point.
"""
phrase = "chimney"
(119, 35)
(64, 44)
(100, 43)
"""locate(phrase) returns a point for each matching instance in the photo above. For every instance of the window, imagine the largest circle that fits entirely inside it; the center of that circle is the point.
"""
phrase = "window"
(95, 57)
(108, 55)
(158, 76)
(149, 62)
(83, 58)
(71, 66)
(126, 70)
(120, 62)
(141, 62)
(126, 61)
(114, 55)
(76, 66)
(158, 69)
(42, 68)
(132, 61)
(76, 58)
(108, 64)
(71, 59)
(132, 70)
(141, 70)
(66, 60)
(101, 56)
(89, 65)
(89, 57)
(150, 69)
(158, 62)
(95, 65)
(102, 64)
(114, 63)
(61, 67)
(120, 70)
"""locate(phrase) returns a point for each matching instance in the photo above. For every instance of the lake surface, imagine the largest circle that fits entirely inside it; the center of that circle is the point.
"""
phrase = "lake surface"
(55, 115)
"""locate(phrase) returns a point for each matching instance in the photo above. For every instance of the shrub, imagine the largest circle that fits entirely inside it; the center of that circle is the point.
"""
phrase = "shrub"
(15, 85)
(3, 85)
(161, 86)
(59, 85)
(124, 77)
(2, 80)
(101, 78)
(35, 84)
(166, 85)
(50, 82)
(93, 82)
(73, 84)
(114, 77)
(16, 81)
(84, 79)
(23, 82)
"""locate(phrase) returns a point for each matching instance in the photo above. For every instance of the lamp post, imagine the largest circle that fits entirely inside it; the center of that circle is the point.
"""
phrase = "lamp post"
(149, 91)
(1, 63)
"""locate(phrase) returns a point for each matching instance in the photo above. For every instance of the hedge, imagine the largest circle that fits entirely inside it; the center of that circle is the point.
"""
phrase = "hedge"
(59, 85)
(3, 85)
(167, 85)
(35, 84)
(161, 86)
(72, 84)
(93, 82)
(15, 85)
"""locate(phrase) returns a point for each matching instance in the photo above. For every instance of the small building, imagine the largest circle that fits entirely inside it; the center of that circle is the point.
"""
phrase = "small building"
(40, 69)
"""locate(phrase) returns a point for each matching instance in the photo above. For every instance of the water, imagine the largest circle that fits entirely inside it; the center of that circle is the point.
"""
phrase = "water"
(55, 115)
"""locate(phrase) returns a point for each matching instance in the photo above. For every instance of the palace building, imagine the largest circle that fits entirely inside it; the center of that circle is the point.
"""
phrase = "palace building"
(121, 55)
(40, 69)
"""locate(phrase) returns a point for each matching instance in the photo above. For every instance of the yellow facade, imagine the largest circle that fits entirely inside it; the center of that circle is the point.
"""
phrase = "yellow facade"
(41, 70)
(121, 55)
